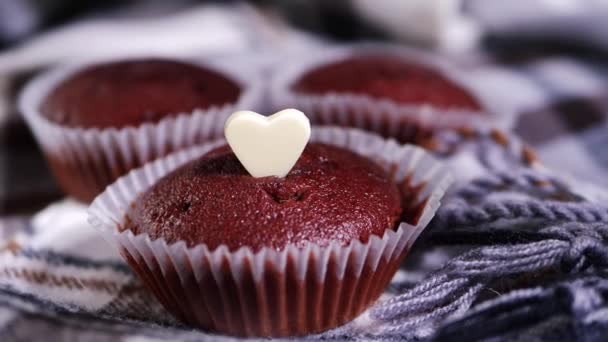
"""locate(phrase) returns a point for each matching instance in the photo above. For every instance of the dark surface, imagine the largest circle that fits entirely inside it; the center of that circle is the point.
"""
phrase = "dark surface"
(330, 195)
(389, 77)
(25, 182)
(129, 93)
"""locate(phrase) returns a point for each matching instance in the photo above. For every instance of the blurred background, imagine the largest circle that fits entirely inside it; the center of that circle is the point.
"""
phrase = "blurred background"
(543, 61)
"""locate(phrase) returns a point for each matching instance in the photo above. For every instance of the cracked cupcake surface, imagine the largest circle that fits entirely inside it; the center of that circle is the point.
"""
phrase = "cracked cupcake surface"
(331, 195)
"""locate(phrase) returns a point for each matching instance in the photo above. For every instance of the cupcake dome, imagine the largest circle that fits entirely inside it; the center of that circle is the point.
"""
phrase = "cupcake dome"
(129, 93)
(386, 76)
(332, 195)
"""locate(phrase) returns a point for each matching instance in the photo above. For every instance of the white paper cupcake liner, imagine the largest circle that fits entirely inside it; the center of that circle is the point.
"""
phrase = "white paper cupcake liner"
(406, 123)
(86, 160)
(294, 291)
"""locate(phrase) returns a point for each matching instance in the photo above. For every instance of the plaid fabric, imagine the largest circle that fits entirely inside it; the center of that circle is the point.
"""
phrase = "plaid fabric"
(561, 104)
(60, 281)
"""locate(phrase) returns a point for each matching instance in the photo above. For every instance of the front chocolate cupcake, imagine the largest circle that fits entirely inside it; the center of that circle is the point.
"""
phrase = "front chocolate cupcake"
(282, 253)
(97, 122)
(395, 92)
(331, 195)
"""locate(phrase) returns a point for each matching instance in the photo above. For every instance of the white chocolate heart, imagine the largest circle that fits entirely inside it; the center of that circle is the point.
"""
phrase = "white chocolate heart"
(268, 146)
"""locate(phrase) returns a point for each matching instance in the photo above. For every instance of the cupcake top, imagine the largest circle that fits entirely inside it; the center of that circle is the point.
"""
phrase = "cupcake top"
(330, 195)
(129, 93)
(387, 77)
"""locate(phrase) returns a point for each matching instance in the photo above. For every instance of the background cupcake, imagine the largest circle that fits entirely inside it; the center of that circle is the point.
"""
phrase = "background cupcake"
(396, 92)
(273, 256)
(96, 122)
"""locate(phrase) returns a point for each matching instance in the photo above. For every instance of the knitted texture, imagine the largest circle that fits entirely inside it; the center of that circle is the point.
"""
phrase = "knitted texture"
(554, 252)
(539, 254)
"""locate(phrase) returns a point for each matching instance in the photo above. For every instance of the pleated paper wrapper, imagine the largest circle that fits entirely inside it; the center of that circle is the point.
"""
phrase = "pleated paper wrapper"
(294, 291)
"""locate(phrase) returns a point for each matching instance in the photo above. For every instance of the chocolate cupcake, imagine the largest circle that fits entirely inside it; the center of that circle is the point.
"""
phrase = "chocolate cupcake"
(97, 122)
(271, 256)
(395, 92)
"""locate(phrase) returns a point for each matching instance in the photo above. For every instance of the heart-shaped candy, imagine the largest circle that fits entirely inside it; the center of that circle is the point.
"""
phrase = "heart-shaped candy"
(268, 146)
